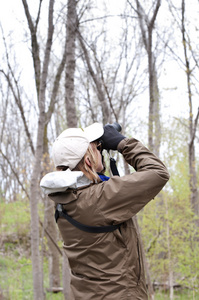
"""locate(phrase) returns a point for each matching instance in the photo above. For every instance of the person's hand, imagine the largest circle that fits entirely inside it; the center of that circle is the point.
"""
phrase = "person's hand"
(111, 137)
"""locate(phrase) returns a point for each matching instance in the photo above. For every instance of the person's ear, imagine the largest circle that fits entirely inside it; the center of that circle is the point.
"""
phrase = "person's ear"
(87, 161)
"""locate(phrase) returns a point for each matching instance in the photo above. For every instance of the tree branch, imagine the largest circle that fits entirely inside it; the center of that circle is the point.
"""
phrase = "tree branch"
(194, 129)
(141, 16)
(15, 173)
(34, 45)
(152, 21)
(38, 15)
(20, 106)
(100, 93)
(47, 50)
(56, 85)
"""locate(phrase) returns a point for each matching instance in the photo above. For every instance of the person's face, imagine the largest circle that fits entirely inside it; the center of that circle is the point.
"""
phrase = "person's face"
(100, 166)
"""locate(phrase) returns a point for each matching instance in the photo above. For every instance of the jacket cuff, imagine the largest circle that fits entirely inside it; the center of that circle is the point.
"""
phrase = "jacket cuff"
(121, 144)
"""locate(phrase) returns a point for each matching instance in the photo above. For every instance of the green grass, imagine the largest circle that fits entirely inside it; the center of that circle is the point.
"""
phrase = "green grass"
(178, 295)
(16, 279)
(14, 217)
(16, 282)
(15, 264)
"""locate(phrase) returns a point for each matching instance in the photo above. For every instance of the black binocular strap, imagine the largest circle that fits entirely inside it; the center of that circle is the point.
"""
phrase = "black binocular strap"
(113, 166)
(92, 229)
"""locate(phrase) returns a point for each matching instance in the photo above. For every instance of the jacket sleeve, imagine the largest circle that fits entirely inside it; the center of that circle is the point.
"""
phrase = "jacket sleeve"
(120, 198)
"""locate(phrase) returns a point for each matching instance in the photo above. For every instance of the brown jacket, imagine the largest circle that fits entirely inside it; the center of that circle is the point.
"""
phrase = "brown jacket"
(109, 265)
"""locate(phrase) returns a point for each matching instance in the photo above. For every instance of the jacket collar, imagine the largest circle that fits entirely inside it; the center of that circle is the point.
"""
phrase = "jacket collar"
(60, 181)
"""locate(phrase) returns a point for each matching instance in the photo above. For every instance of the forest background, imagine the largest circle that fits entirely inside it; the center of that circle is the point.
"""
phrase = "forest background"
(71, 63)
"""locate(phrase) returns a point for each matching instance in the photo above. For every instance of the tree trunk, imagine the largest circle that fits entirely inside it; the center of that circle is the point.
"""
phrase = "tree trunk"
(66, 279)
(35, 176)
(49, 223)
(34, 197)
(72, 24)
(171, 283)
(154, 130)
(192, 125)
(154, 135)
(71, 115)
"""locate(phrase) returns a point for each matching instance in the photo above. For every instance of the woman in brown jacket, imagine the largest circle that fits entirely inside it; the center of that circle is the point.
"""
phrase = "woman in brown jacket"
(95, 216)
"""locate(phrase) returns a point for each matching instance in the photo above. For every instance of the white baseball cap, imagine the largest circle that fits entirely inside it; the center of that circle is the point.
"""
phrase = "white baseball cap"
(71, 145)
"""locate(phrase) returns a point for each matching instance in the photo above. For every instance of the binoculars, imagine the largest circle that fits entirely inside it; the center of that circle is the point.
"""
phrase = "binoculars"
(116, 126)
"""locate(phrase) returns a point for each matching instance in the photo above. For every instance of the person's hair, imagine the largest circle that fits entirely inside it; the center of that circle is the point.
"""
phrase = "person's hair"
(89, 171)
(61, 168)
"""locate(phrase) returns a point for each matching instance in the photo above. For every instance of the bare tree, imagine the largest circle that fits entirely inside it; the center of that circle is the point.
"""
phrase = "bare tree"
(50, 225)
(18, 95)
(189, 64)
(147, 26)
(113, 72)
(41, 80)
(72, 25)
(97, 82)
(192, 123)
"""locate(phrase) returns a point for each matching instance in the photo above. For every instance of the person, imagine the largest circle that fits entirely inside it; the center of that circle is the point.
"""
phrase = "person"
(104, 265)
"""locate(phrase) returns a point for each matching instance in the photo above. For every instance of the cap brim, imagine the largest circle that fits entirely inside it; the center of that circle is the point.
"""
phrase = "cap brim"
(94, 131)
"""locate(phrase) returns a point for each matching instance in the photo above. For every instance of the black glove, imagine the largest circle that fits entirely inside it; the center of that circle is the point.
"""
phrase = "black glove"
(111, 137)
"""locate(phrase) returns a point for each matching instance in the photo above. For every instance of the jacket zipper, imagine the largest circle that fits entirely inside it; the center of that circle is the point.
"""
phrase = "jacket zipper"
(138, 250)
